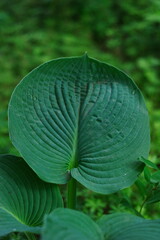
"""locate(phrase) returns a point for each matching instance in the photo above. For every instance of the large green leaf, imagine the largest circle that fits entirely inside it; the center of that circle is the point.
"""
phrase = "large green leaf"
(80, 117)
(24, 198)
(67, 224)
(122, 226)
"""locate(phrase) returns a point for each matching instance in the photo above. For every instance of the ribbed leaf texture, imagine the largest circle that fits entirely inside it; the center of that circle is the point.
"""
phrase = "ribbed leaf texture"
(82, 118)
(124, 226)
(67, 224)
(8, 224)
(24, 197)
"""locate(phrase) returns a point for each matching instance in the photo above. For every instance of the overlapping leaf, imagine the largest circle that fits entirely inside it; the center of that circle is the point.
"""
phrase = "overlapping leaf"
(24, 198)
(67, 224)
(81, 117)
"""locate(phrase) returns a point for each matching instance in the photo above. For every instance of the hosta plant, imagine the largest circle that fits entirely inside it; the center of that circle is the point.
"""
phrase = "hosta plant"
(75, 120)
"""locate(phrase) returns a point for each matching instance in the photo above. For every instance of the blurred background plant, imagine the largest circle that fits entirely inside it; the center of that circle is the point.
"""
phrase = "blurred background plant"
(123, 33)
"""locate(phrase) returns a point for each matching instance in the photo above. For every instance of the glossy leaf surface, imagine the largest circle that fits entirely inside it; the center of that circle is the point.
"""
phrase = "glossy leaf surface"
(126, 226)
(67, 224)
(80, 117)
(24, 198)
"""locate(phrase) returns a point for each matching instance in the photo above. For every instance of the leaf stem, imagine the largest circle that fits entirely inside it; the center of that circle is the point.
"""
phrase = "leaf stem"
(71, 194)
(143, 203)
(147, 197)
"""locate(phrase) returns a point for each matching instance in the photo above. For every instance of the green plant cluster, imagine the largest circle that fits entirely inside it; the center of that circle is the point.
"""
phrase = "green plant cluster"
(77, 120)
(125, 34)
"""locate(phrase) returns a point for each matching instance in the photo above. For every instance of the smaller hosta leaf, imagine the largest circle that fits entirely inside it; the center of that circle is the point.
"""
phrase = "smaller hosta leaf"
(9, 223)
(155, 178)
(24, 196)
(124, 226)
(67, 224)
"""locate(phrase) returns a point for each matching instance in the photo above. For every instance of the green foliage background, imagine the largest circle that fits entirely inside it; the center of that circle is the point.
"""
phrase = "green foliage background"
(123, 33)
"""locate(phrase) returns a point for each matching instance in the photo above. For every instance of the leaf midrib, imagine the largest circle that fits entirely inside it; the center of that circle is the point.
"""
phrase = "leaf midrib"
(14, 216)
(75, 155)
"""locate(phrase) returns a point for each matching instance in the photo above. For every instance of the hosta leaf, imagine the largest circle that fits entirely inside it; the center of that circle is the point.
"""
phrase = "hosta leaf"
(126, 226)
(24, 198)
(81, 117)
(67, 224)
